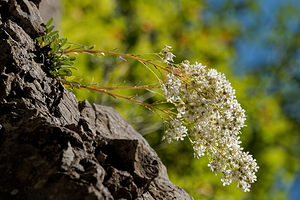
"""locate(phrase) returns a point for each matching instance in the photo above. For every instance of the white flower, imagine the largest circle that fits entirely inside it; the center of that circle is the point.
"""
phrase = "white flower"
(205, 100)
(167, 55)
(176, 131)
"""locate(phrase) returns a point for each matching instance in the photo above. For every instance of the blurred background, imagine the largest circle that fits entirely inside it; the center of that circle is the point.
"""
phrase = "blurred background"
(256, 43)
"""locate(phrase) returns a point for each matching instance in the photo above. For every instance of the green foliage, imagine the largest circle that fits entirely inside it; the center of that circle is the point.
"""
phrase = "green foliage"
(52, 49)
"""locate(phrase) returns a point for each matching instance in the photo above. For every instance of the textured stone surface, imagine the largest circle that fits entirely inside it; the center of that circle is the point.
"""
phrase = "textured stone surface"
(51, 146)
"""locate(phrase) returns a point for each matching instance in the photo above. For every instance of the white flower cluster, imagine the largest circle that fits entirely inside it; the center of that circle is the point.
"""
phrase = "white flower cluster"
(210, 116)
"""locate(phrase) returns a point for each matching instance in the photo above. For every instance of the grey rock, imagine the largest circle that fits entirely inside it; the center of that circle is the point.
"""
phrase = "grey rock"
(53, 147)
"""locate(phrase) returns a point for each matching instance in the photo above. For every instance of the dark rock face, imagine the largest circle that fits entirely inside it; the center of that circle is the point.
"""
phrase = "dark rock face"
(51, 146)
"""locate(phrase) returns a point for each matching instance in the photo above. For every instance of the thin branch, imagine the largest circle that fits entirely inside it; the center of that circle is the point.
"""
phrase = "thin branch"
(119, 96)
(144, 87)
(91, 51)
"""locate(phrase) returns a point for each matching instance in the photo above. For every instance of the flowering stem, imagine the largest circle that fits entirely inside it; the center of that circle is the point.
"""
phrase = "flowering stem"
(146, 87)
(170, 115)
(91, 51)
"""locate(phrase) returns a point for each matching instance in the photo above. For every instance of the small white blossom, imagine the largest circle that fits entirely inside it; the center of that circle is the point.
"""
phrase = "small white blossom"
(167, 55)
(176, 131)
(205, 100)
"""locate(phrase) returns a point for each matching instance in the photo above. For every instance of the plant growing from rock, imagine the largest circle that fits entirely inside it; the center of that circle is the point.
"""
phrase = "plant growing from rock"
(203, 105)
(52, 49)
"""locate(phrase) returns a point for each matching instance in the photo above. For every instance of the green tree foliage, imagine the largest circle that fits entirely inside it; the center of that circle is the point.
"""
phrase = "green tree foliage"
(198, 33)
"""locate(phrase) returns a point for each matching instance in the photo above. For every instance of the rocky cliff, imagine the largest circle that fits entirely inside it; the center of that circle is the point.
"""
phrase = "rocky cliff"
(53, 147)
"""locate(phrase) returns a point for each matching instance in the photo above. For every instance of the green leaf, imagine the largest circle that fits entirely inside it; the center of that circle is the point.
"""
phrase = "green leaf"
(53, 35)
(63, 42)
(49, 22)
(65, 72)
(50, 29)
(67, 62)
(69, 67)
(72, 58)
